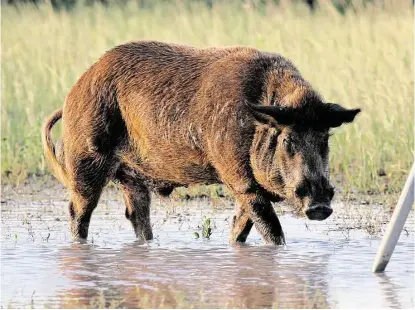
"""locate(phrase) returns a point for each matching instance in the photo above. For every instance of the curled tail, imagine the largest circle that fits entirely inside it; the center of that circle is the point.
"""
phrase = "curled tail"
(49, 149)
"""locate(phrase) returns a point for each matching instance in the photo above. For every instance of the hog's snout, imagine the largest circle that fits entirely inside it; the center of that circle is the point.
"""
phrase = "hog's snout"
(322, 190)
(318, 212)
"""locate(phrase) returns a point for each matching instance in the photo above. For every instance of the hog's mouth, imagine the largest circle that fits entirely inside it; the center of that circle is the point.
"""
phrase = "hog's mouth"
(318, 212)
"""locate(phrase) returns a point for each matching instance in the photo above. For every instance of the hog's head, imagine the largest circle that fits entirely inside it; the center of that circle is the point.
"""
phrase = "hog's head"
(289, 155)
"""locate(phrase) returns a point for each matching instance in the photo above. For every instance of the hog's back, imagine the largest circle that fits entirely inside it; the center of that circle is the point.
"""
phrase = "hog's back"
(174, 100)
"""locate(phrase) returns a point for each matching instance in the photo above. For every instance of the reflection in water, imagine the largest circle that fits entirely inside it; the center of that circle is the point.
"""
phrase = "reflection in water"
(273, 277)
(390, 290)
(320, 266)
(110, 278)
(237, 276)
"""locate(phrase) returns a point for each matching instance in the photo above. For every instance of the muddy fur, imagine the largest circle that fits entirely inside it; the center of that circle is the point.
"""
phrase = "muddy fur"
(153, 116)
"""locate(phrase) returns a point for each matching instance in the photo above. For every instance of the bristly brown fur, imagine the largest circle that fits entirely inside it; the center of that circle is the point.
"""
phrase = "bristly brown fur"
(152, 116)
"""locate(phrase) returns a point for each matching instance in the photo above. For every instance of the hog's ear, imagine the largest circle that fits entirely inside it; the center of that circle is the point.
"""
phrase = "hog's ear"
(273, 115)
(337, 115)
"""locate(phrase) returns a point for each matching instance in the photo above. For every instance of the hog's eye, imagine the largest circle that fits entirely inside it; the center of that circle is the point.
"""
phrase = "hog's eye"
(289, 145)
(287, 141)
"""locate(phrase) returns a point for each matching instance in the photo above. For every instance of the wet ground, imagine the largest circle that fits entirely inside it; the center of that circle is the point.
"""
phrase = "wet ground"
(324, 264)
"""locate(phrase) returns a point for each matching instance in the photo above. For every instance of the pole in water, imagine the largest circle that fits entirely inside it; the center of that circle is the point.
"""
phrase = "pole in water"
(396, 224)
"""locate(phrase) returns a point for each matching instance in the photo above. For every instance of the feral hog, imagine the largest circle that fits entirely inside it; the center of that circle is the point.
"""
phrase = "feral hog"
(153, 116)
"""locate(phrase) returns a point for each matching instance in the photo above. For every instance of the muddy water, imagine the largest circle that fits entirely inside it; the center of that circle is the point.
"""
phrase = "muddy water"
(325, 264)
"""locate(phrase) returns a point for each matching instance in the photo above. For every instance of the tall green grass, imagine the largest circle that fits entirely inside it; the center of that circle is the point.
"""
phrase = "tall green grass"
(363, 58)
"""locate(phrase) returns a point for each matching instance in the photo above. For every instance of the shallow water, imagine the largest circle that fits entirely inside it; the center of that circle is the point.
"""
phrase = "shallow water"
(325, 264)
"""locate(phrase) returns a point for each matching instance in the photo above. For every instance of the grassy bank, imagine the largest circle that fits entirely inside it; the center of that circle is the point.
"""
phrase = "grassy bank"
(363, 58)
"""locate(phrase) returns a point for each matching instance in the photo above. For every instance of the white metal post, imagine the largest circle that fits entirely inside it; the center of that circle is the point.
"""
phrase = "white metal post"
(399, 216)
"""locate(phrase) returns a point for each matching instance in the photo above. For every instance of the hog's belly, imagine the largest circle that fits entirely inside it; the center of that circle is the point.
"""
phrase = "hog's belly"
(178, 167)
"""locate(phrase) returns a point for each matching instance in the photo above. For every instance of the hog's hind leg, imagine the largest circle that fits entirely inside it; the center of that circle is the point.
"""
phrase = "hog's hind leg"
(137, 201)
(89, 176)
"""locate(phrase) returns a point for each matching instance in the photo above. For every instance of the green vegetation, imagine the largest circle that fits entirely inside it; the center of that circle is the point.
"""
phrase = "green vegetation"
(362, 58)
(206, 227)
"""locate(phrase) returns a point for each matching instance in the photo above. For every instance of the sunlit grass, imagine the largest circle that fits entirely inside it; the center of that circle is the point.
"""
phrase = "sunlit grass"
(361, 59)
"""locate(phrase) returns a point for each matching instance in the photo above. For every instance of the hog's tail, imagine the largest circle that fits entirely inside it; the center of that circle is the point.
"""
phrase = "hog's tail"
(49, 148)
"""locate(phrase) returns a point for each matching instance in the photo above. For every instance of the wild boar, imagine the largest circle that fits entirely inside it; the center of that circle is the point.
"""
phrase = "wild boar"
(153, 116)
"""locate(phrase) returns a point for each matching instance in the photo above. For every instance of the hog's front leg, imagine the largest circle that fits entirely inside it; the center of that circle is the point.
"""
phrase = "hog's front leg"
(259, 210)
(241, 226)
